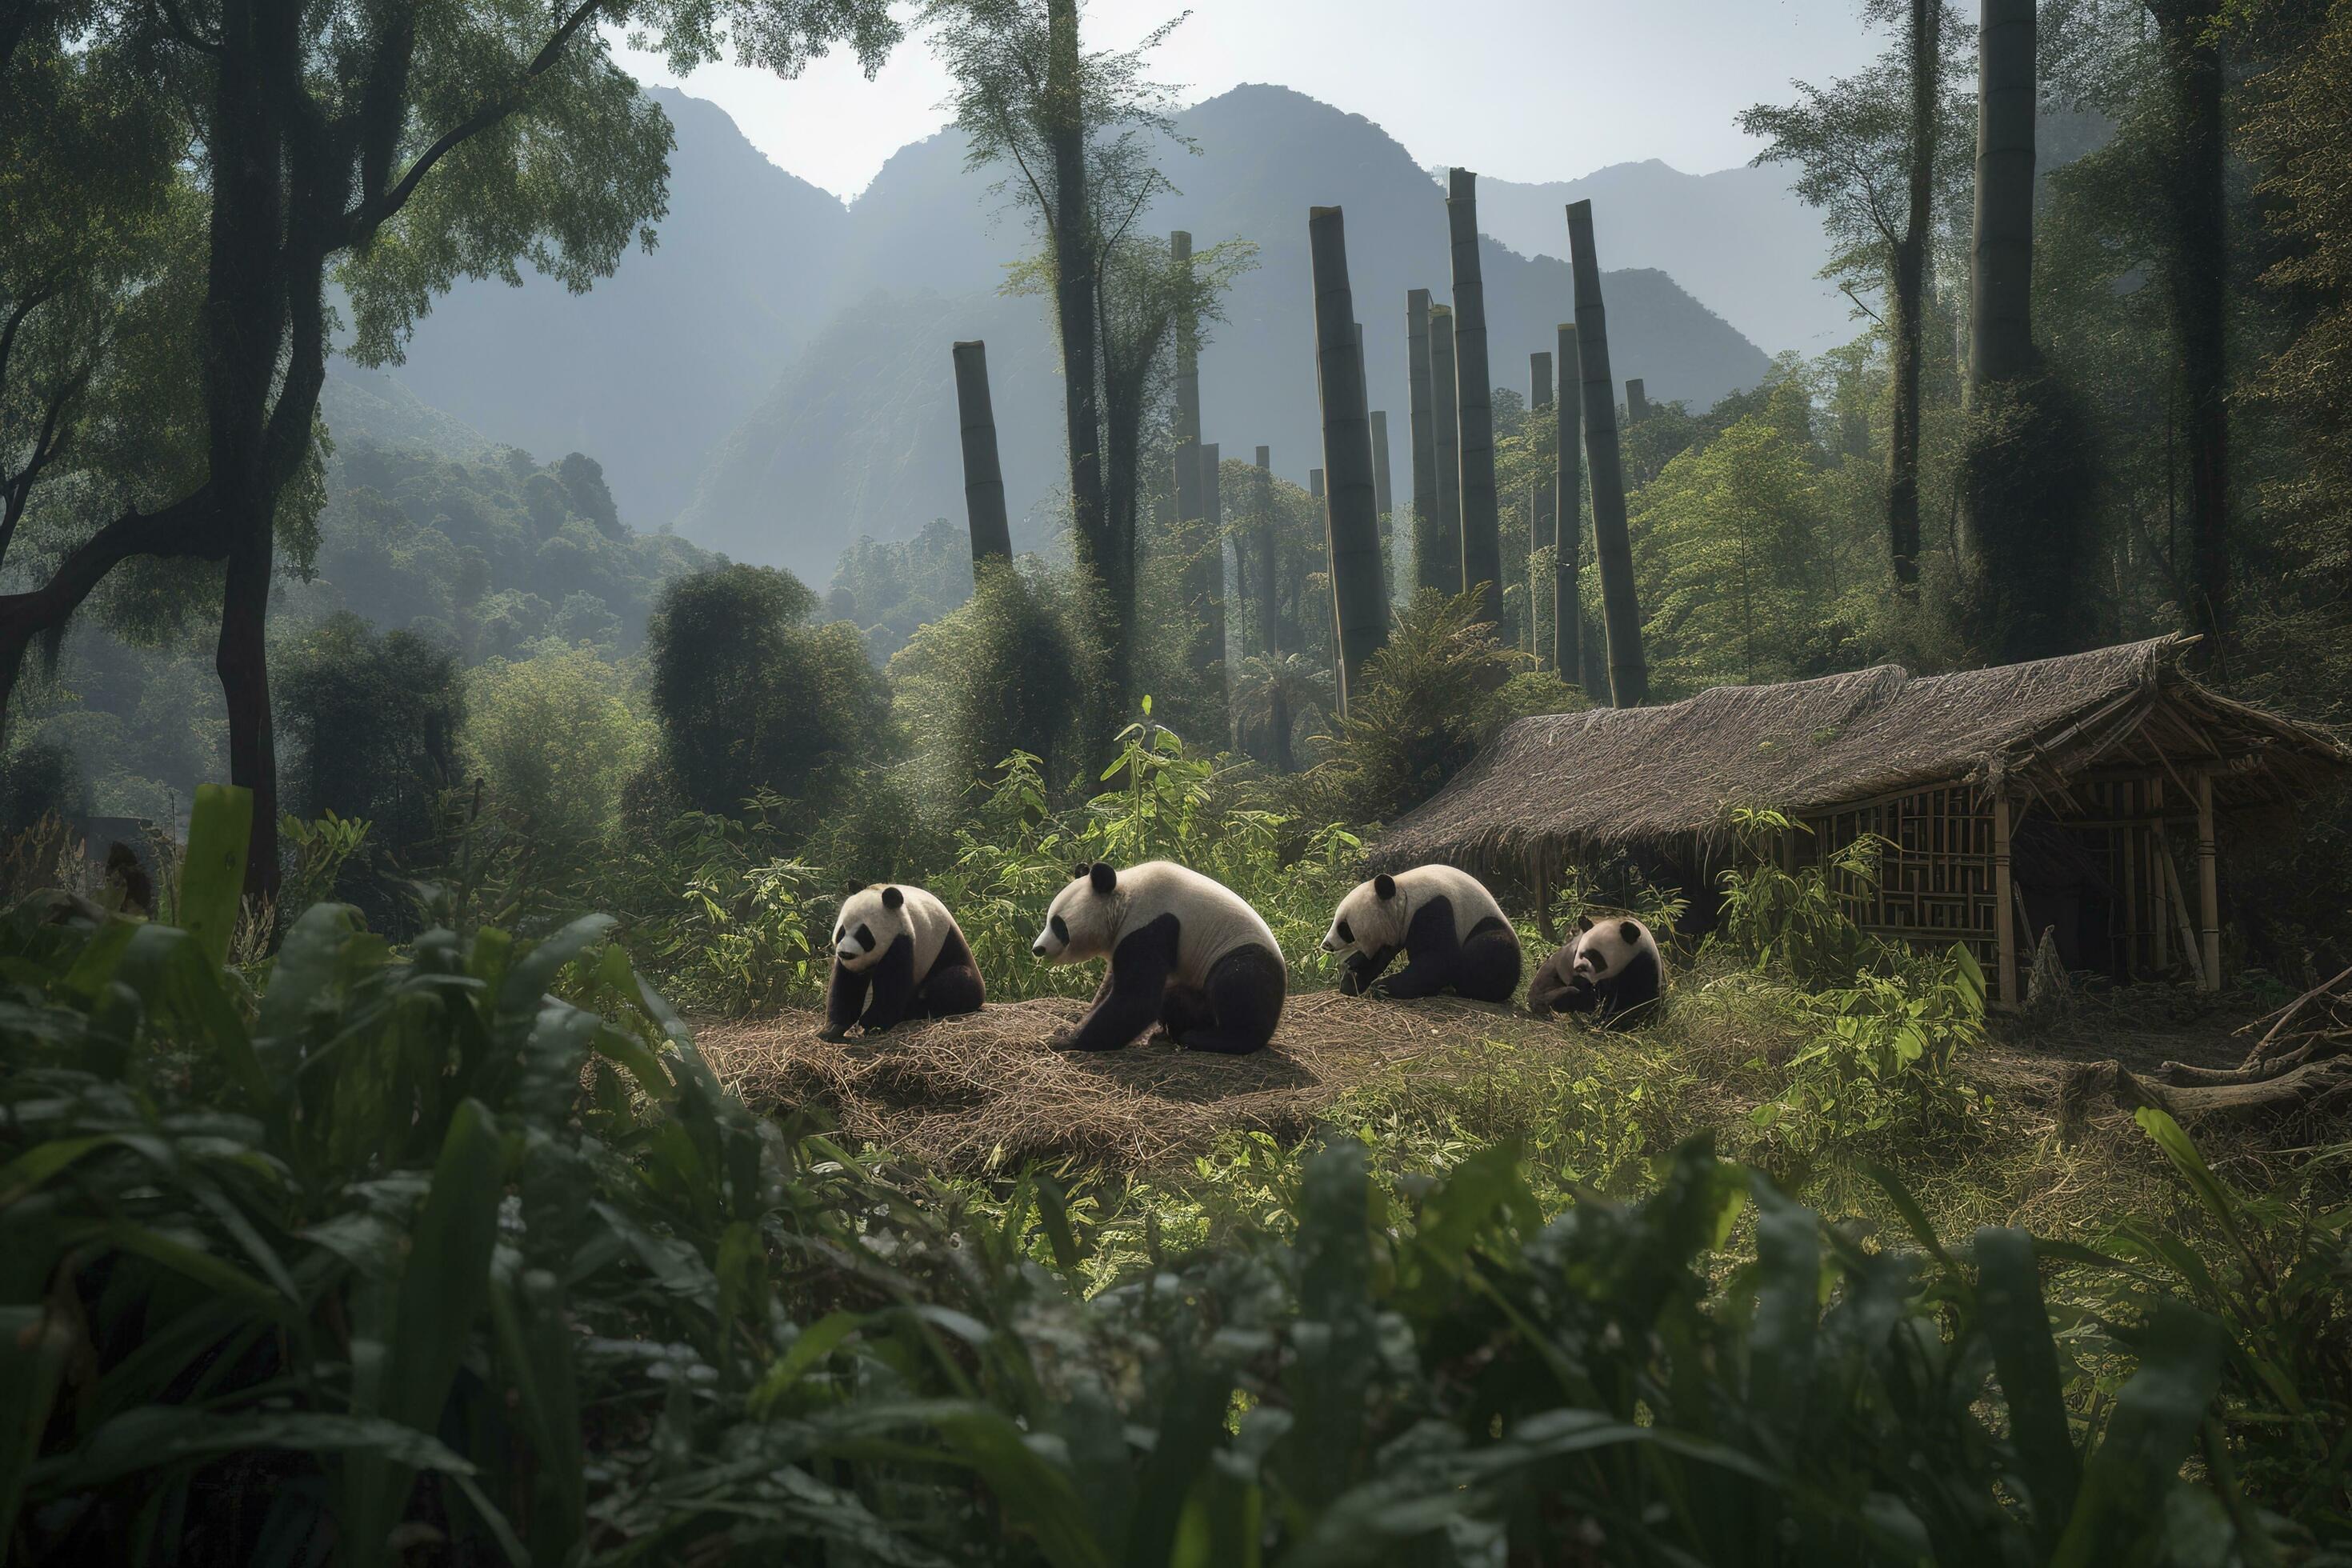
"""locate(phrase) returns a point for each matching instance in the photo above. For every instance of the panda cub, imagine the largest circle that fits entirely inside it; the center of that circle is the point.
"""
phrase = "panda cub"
(1450, 927)
(897, 954)
(1183, 950)
(1612, 969)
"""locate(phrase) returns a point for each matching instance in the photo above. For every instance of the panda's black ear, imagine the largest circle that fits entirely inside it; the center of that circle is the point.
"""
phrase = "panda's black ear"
(1384, 886)
(1584, 924)
(1104, 877)
(1630, 931)
(892, 898)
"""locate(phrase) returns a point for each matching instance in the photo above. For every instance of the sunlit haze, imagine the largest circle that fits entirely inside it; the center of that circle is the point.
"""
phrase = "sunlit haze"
(1576, 85)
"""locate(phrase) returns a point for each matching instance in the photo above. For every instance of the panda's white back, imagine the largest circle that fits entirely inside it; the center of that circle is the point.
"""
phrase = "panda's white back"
(928, 924)
(1212, 920)
(1471, 902)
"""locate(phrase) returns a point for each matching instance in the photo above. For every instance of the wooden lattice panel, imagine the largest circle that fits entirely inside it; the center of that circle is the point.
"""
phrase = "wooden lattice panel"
(1935, 870)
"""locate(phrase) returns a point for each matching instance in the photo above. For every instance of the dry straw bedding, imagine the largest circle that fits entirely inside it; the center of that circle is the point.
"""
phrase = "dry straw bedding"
(984, 1091)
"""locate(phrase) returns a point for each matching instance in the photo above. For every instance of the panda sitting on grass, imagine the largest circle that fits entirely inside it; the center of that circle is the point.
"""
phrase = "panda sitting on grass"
(1452, 932)
(898, 955)
(1611, 970)
(1184, 950)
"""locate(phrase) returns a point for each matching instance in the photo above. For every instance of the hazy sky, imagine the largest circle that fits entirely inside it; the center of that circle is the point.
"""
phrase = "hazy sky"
(1526, 90)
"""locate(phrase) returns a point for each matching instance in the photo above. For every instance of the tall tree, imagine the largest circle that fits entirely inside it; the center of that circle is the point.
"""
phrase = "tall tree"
(1542, 524)
(1883, 155)
(1621, 608)
(1481, 541)
(402, 145)
(1188, 394)
(1276, 718)
(983, 478)
(1442, 570)
(1567, 595)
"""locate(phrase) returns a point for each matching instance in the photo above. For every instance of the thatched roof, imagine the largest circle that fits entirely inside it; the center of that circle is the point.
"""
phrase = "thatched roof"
(1565, 784)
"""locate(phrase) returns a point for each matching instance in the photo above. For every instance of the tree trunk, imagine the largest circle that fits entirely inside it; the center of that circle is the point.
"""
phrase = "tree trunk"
(1315, 483)
(1425, 435)
(1188, 397)
(2001, 272)
(1380, 496)
(1482, 543)
(1359, 596)
(1621, 609)
(2197, 282)
(1442, 571)
(1567, 487)
(1637, 402)
(983, 479)
(1909, 301)
(1074, 305)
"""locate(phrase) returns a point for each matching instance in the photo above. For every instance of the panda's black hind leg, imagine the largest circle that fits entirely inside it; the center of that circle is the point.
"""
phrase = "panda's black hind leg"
(1245, 997)
(951, 992)
(1488, 969)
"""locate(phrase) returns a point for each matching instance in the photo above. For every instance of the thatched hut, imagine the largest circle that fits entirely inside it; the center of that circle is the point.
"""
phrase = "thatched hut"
(2064, 795)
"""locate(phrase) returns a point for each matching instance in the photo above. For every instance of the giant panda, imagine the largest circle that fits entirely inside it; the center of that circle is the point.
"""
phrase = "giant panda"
(1453, 932)
(1184, 949)
(1612, 969)
(897, 954)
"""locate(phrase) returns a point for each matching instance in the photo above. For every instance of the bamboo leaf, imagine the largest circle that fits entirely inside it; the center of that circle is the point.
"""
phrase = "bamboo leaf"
(212, 882)
(2017, 1324)
(2121, 1501)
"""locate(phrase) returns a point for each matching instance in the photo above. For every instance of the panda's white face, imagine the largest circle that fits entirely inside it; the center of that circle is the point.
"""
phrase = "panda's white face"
(871, 920)
(1604, 947)
(1078, 925)
(1370, 917)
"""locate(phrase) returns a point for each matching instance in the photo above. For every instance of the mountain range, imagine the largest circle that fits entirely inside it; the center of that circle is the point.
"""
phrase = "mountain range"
(774, 379)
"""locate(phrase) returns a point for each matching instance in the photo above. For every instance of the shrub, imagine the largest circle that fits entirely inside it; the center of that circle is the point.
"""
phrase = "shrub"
(750, 699)
(1009, 670)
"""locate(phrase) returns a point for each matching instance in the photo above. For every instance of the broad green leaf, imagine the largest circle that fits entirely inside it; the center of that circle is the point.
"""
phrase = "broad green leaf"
(2009, 1296)
(212, 882)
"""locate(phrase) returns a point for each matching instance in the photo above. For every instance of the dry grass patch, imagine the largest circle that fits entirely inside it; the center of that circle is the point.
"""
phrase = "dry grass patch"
(975, 1093)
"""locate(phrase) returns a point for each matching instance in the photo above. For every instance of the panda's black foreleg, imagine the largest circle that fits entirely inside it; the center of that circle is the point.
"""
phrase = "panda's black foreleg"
(845, 998)
(1185, 1009)
(1433, 954)
(1631, 996)
(1488, 969)
(894, 985)
(1362, 969)
(954, 987)
(1244, 991)
(1132, 991)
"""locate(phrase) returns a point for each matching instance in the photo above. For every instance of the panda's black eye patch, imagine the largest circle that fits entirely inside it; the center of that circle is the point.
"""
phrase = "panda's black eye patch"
(1598, 958)
(865, 938)
(1345, 934)
(1061, 928)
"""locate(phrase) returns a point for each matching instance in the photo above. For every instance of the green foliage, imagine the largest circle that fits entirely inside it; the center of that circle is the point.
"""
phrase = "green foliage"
(750, 698)
(1007, 672)
(891, 590)
(372, 724)
(1795, 922)
(1430, 701)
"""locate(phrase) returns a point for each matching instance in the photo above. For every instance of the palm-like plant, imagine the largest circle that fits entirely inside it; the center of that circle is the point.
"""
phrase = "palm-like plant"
(1275, 691)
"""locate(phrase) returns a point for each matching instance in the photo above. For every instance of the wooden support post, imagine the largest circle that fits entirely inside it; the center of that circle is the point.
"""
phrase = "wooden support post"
(2209, 888)
(2004, 919)
(2181, 918)
(2159, 929)
(2131, 890)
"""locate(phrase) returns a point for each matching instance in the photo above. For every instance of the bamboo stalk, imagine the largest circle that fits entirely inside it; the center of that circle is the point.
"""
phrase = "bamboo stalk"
(1568, 486)
(983, 478)
(1350, 514)
(1637, 402)
(1425, 434)
(1381, 470)
(1629, 674)
(1442, 571)
(1481, 545)
(1188, 394)
(2000, 274)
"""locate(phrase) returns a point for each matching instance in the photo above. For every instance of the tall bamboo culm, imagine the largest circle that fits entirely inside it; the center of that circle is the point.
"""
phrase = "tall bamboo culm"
(1482, 538)
(1443, 569)
(1425, 435)
(1621, 608)
(1381, 470)
(1269, 606)
(1359, 596)
(1214, 579)
(1540, 520)
(2001, 272)
(1637, 402)
(1567, 485)
(1188, 396)
(984, 477)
